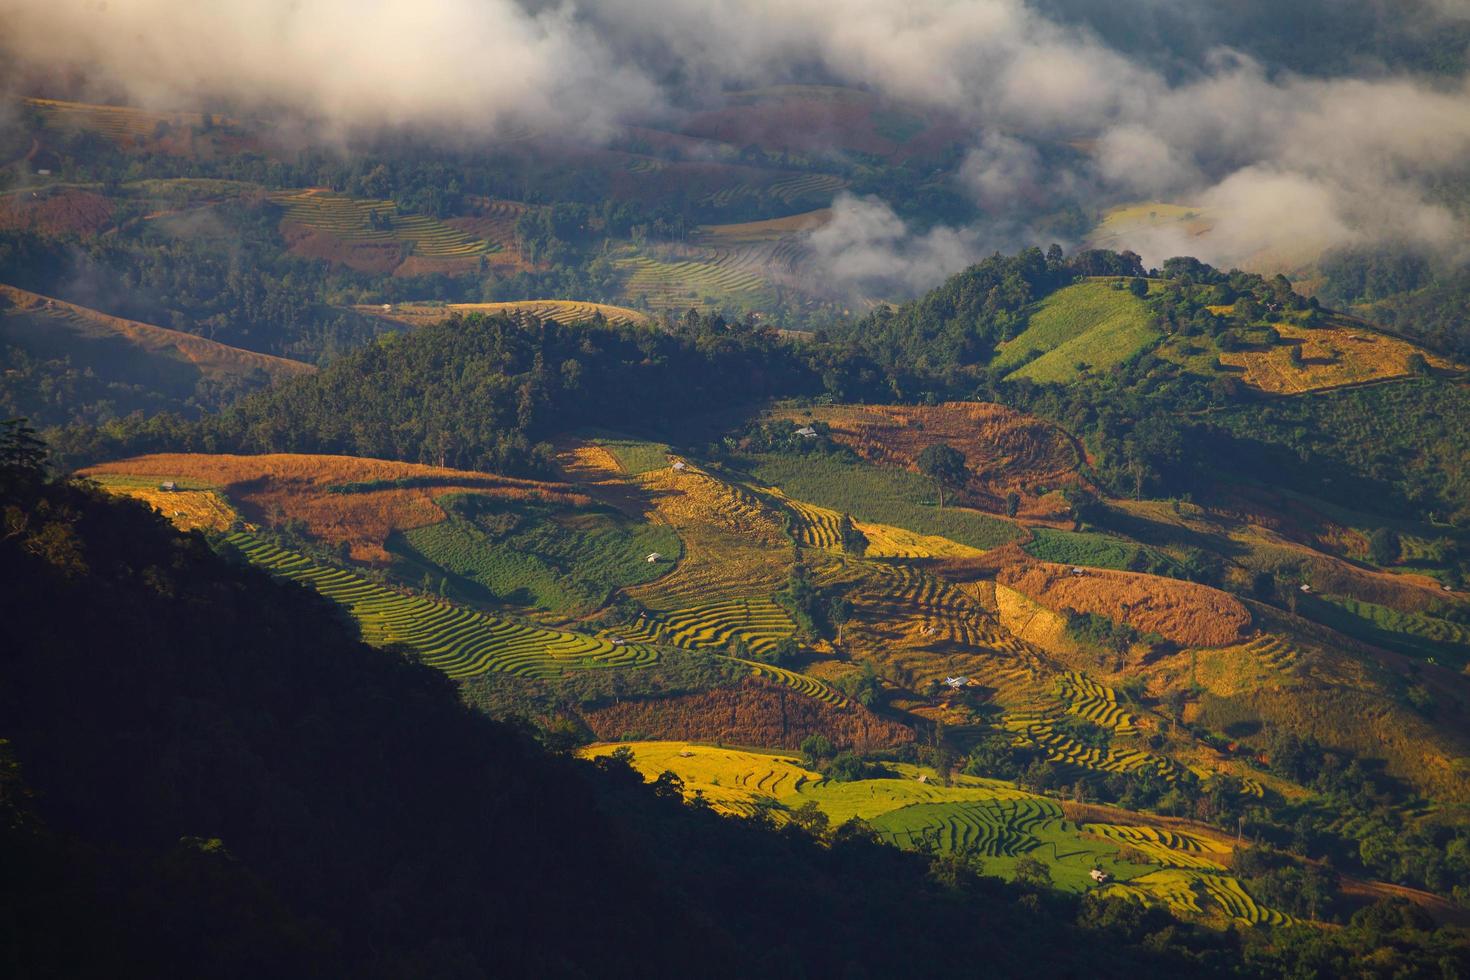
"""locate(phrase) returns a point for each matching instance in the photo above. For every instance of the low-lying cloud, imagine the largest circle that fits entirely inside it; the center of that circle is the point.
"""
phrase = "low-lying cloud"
(1280, 164)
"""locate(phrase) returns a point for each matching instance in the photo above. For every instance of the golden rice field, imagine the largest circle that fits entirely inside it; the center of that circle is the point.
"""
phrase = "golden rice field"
(991, 818)
(1330, 357)
(350, 219)
(1172, 848)
(734, 545)
(756, 621)
(186, 508)
(1200, 893)
(1096, 702)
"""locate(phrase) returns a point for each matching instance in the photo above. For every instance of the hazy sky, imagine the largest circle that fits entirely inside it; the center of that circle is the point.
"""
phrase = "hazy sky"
(1280, 161)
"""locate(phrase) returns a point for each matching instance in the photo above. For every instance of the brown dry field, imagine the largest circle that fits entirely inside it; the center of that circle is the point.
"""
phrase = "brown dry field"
(1332, 357)
(754, 713)
(61, 211)
(376, 258)
(1184, 612)
(277, 488)
(1008, 450)
(210, 357)
(768, 230)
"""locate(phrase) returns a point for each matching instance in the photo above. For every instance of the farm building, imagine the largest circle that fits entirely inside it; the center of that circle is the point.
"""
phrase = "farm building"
(680, 465)
(1100, 876)
(806, 432)
(168, 486)
(654, 556)
(957, 682)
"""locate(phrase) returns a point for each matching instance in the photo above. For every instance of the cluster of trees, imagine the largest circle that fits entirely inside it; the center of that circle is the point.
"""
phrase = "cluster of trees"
(1421, 296)
(482, 393)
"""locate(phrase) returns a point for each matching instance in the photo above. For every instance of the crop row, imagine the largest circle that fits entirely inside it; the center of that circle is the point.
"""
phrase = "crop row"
(1096, 702)
(351, 219)
(1037, 729)
(1165, 846)
(457, 641)
(993, 828)
(800, 683)
(757, 622)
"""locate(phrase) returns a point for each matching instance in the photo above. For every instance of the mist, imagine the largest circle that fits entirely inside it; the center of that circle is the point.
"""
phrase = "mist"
(1282, 164)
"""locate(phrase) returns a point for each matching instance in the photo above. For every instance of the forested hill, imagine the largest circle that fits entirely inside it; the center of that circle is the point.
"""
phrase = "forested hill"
(480, 392)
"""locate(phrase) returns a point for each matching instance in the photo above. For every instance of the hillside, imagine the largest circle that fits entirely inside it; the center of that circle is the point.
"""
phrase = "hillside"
(1090, 326)
(116, 365)
(564, 312)
(206, 660)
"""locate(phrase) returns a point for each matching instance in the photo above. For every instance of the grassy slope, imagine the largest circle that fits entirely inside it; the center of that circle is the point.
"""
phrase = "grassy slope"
(1090, 548)
(883, 496)
(1090, 321)
(558, 560)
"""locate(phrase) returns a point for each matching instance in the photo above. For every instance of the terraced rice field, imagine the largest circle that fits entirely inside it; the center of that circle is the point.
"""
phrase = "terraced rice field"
(1172, 848)
(788, 190)
(908, 807)
(565, 312)
(756, 621)
(455, 640)
(1276, 652)
(1096, 702)
(117, 123)
(920, 629)
(800, 683)
(991, 828)
(734, 544)
(350, 219)
(210, 357)
(1088, 323)
(820, 527)
(679, 285)
(493, 221)
(730, 780)
(1038, 729)
(1194, 892)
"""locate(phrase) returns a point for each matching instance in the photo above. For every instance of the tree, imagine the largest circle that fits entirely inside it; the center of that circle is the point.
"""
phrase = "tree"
(854, 542)
(1013, 503)
(839, 611)
(19, 447)
(945, 465)
(810, 818)
(1138, 287)
(815, 748)
(1383, 546)
(1030, 871)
